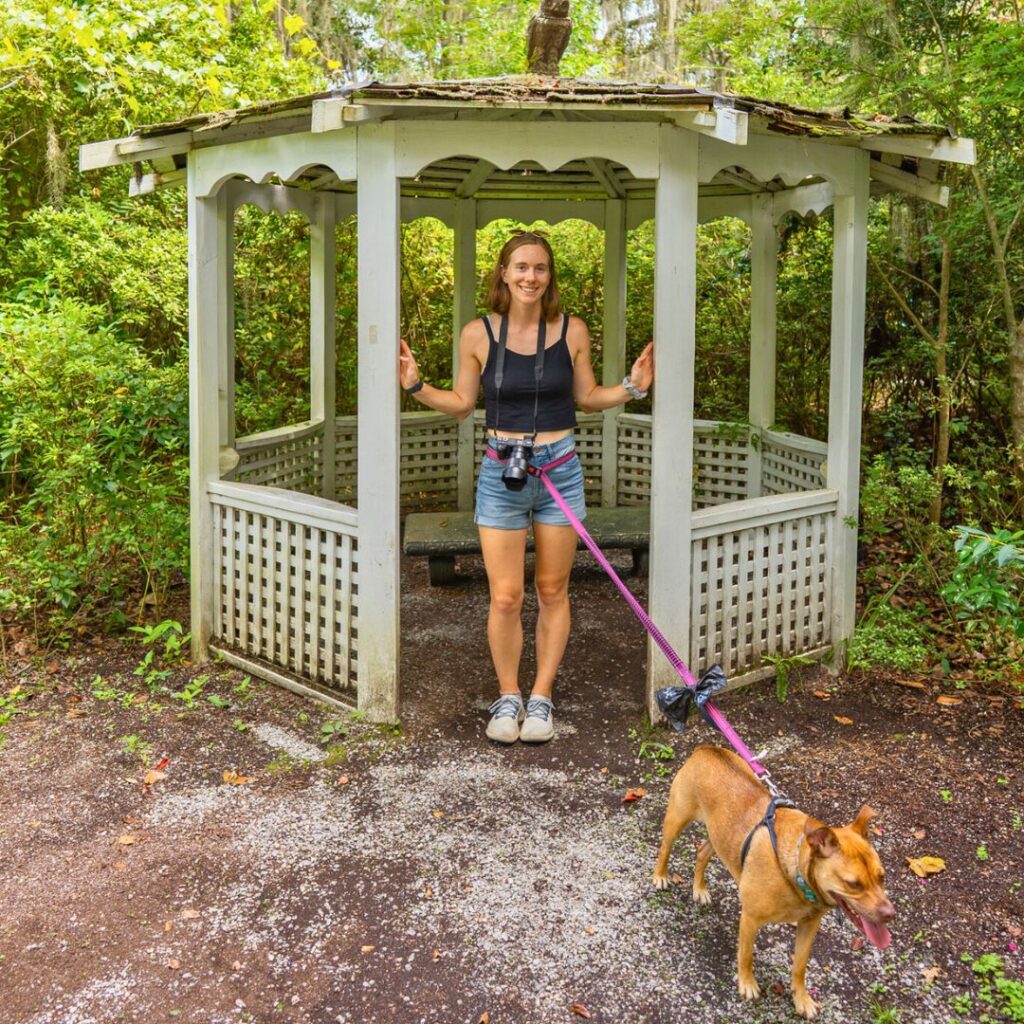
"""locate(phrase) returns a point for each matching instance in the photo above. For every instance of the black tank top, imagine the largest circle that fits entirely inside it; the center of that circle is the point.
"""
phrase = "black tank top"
(556, 408)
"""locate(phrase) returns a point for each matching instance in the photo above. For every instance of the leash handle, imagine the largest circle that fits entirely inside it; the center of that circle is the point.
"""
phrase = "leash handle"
(677, 663)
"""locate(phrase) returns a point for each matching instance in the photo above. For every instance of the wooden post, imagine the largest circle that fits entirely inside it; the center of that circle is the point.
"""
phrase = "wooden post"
(322, 332)
(675, 289)
(378, 428)
(763, 273)
(463, 310)
(849, 260)
(210, 418)
(614, 351)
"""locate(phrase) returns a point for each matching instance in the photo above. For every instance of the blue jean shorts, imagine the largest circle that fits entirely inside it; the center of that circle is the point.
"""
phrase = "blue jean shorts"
(502, 509)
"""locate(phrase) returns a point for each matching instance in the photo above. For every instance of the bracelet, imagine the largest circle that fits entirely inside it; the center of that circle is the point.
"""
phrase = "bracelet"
(634, 391)
(413, 388)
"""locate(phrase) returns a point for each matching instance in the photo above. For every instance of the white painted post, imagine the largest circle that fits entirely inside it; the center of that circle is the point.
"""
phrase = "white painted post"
(209, 318)
(321, 332)
(614, 351)
(849, 259)
(463, 310)
(763, 274)
(226, 347)
(378, 421)
(675, 289)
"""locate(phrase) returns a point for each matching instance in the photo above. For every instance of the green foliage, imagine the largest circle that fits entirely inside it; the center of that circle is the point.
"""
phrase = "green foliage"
(93, 456)
(1001, 995)
(986, 583)
(888, 636)
(784, 667)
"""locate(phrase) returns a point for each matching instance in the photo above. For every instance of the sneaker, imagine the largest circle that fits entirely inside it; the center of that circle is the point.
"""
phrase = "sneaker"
(506, 714)
(539, 725)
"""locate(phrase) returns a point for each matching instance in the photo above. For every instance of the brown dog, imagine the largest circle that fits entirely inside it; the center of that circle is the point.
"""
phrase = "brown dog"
(815, 869)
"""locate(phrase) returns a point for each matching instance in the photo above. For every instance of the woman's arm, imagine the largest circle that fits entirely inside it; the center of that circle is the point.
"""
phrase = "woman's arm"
(461, 400)
(589, 395)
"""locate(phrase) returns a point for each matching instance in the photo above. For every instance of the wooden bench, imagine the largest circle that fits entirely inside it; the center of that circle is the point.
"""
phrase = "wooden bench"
(443, 535)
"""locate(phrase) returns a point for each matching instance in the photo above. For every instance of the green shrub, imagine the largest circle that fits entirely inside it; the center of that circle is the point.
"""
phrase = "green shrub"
(888, 636)
(986, 584)
(93, 466)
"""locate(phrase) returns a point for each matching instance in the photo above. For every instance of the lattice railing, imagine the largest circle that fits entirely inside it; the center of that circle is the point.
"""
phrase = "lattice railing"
(286, 582)
(761, 579)
(288, 457)
(791, 463)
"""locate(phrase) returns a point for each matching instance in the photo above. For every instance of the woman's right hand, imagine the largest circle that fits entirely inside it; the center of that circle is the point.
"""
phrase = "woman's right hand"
(408, 371)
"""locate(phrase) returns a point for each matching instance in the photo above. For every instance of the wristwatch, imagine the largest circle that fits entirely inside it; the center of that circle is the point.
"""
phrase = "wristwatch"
(413, 388)
(633, 390)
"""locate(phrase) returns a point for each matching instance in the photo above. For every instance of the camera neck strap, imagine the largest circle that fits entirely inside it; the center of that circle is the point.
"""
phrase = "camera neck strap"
(499, 365)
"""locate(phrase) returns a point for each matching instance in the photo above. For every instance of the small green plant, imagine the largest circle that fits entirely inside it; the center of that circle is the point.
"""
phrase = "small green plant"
(887, 636)
(218, 701)
(191, 691)
(239, 725)
(784, 666)
(165, 642)
(986, 583)
(982, 852)
(332, 731)
(884, 1014)
(1003, 995)
(136, 746)
(947, 796)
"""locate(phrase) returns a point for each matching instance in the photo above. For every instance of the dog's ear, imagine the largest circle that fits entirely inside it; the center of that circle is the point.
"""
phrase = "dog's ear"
(864, 817)
(820, 838)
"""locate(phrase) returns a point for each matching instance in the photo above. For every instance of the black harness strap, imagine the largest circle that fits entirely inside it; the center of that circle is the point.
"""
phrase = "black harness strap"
(768, 822)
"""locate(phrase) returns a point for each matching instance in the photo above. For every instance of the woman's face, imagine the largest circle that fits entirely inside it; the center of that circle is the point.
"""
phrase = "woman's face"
(527, 274)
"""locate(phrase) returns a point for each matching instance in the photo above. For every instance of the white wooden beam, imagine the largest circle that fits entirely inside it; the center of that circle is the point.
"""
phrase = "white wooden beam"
(761, 384)
(955, 151)
(328, 114)
(910, 184)
(609, 180)
(849, 271)
(614, 342)
(140, 185)
(378, 428)
(322, 287)
(464, 310)
(675, 289)
(722, 123)
(477, 176)
(209, 231)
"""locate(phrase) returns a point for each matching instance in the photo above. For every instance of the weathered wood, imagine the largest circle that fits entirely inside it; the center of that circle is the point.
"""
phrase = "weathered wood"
(761, 384)
(614, 347)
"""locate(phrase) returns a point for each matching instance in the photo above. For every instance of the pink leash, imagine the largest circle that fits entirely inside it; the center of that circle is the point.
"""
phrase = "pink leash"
(716, 716)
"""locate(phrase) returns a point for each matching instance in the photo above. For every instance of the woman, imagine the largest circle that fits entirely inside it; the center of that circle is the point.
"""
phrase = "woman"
(534, 362)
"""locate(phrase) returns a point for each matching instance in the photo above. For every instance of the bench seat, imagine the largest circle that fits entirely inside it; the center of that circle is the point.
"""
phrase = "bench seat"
(441, 536)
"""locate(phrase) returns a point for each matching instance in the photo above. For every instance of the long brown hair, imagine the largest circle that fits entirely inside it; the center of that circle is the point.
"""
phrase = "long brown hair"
(499, 298)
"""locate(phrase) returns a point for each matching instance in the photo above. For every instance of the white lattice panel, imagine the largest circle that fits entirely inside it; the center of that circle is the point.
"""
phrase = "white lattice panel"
(791, 463)
(346, 452)
(429, 460)
(634, 460)
(290, 458)
(285, 571)
(720, 461)
(761, 585)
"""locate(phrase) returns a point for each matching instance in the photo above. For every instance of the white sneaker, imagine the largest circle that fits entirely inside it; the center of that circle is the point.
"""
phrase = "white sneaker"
(506, 714)
(539, 725)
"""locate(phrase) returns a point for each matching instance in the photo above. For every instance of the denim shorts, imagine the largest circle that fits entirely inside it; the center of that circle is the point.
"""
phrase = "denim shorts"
(502, 509)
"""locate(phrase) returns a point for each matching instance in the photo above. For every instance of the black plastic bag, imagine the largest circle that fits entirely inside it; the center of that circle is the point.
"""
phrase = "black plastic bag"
(675, 701)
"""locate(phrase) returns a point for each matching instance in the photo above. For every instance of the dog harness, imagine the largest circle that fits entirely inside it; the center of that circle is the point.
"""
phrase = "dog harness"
(768, 822)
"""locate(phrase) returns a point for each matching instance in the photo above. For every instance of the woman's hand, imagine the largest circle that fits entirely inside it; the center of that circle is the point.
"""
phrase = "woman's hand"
(408, 371)
(642, 374)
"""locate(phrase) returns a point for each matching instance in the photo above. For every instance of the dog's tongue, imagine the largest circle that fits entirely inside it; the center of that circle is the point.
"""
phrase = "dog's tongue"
(877, 934)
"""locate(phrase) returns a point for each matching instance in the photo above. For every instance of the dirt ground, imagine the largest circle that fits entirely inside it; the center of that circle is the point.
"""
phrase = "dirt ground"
(422, 874)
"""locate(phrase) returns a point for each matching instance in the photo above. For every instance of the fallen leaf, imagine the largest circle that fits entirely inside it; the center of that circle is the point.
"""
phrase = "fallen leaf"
(604, 771)
(126, 839)
(778, 988)
(924, 866)
(153, 776)
(344, 780)
(436, 954)
(438, 814)
(119, 865)
(858, 942)
(677, 879)
(168, 925)
(189, 914)
(34, 824)
(823, 694)
(581, 1011)
(161, 764)
(236, 779)
(634, 794)
(913, 684)
(590, 931)
(921, 833)
(843, 720)
(174, 964)
(485, 1018)
(367, 949)
(931, 973)
(948, 701)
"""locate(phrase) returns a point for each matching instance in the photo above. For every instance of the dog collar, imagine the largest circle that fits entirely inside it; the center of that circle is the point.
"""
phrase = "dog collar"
(801, 883)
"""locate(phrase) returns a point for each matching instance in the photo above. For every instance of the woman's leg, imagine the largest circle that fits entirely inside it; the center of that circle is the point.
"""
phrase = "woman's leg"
(504, 554)
(555, 550)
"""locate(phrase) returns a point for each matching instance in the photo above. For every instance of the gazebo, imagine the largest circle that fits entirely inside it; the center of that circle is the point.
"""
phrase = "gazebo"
(295, 531)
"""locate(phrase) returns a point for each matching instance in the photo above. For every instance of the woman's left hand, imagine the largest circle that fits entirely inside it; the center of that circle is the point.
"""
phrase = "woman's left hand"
(642, 374)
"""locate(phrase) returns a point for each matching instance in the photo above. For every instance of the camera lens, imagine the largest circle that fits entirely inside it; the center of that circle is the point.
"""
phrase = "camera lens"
(517, 467)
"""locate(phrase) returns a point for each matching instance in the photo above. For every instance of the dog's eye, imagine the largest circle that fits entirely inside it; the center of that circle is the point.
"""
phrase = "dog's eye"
(852, 884)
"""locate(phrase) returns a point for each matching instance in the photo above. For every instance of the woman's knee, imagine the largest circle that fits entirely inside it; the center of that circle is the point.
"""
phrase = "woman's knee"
(552, 592)
(506, 601)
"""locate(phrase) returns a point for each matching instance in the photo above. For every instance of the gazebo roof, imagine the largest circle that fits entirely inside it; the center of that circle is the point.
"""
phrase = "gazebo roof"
(905, 152)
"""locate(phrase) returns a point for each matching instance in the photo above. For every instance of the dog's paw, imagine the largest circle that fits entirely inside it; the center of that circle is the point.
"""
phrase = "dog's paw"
(660, 881)
(805, 1005)
(701, 895)
(749, 989)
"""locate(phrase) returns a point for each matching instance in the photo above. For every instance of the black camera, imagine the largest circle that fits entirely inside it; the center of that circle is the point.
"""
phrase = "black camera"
(517, 466)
